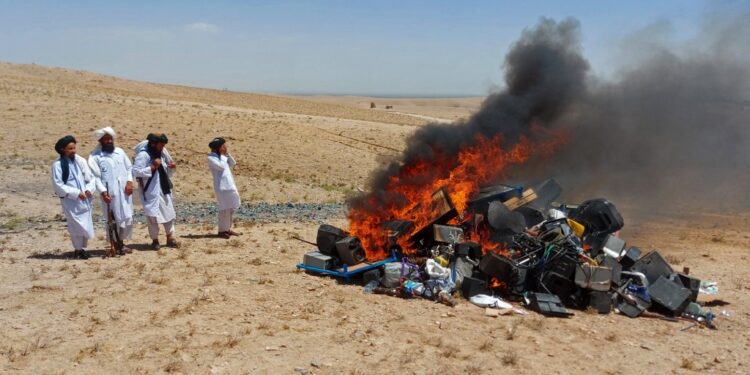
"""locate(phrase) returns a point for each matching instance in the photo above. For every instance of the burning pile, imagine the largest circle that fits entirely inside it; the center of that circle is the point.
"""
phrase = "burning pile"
(516, 243)
(436, 220)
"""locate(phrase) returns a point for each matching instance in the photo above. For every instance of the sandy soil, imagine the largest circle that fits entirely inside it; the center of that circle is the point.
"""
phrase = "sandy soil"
(433, 109)
(239, 306)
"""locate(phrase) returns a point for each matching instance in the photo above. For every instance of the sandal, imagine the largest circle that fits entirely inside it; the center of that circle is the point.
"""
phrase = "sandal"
(224, 235)
(173, 243)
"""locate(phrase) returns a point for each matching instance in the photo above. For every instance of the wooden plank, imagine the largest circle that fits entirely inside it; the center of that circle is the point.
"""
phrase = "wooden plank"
(527, 196)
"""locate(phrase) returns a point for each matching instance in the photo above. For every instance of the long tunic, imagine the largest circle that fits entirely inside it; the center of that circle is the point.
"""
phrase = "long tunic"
(112, 171)
(155, 202)
(77, 211)
(227, 196)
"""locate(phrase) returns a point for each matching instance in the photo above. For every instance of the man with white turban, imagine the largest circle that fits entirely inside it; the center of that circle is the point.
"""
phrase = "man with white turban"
(73, 183)
(114, 181)
(220, 162)
(153, 168)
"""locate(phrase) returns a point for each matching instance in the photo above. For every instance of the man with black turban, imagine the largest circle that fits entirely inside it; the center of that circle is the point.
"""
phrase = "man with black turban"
(73, 183)
(220, 163)
(153, 167)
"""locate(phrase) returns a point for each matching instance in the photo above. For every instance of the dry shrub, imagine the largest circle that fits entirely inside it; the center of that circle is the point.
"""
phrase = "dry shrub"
(87, 352)
(486, 345)
(674, 259)
(689, 364)
(509, 358)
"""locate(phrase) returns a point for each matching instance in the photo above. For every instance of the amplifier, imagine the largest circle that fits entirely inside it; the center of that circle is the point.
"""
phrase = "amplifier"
(318, 260)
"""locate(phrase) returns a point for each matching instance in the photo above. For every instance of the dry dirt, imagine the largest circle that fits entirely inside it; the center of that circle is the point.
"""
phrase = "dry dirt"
(239, 306)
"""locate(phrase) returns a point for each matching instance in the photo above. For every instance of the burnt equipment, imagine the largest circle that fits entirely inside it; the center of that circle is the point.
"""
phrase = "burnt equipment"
(328, 235)
(600, 217)
(350, 251)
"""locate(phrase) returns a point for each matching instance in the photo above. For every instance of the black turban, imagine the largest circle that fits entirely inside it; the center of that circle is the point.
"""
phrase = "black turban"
(157, 138)
(216, 143)
(64, 142)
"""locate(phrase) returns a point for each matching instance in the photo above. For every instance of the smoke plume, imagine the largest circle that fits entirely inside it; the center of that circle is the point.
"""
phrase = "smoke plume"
(671, 130)
(545, 75)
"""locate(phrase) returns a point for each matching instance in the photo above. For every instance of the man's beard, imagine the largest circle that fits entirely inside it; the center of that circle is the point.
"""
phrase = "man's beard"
(108, 148)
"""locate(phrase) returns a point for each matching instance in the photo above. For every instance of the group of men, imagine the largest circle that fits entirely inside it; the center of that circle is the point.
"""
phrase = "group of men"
(109, 173)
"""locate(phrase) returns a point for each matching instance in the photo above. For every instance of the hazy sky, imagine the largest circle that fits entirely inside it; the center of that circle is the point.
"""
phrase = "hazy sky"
(375, 47)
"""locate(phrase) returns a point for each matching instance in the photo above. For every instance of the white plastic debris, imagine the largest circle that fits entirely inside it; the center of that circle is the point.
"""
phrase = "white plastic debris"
(437, 271)
(555, 214)
(709, 287)
(483, 300)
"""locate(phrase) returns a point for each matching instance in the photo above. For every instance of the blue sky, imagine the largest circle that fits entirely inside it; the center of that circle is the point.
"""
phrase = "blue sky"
(418, 48)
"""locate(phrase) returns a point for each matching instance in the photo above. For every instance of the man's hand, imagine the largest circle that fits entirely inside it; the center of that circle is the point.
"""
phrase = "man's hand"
(129, 188)
(106, 198)
(155, 164)
(172, 165)
(88, 194)
(81, 195)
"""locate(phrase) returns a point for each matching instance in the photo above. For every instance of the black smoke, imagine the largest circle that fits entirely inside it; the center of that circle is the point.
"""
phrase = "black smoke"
(545, 74)
(671, 130)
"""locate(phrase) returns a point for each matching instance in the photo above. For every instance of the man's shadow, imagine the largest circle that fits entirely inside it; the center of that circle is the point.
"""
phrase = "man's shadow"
(199, 236)
(65, 255)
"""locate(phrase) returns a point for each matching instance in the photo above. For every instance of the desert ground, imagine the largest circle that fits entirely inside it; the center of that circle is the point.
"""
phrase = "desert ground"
(239, 306)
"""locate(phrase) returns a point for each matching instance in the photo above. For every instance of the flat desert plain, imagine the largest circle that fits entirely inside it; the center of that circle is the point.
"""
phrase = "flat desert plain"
(239, 306)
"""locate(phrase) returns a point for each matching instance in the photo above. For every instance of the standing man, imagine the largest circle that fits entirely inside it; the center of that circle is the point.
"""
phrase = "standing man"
(153, 168)
(227, 197)
(112, 170)
(73, 183)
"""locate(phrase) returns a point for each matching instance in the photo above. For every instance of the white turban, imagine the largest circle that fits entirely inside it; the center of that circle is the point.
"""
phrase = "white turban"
(101, 132)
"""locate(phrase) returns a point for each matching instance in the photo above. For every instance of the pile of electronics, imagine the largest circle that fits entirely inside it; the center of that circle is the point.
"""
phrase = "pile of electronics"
(520, 245)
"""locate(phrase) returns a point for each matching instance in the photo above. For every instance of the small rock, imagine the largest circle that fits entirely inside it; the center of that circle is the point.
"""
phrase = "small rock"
(302, 370)
(315, 364)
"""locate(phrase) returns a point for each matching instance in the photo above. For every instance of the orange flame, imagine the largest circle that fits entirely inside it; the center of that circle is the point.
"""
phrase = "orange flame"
(479, 163)
(495, 283)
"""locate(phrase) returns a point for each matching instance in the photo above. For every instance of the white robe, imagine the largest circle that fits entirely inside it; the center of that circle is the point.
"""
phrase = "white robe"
(77, 211)
(112, 172)
(227, 196)
(155, 203)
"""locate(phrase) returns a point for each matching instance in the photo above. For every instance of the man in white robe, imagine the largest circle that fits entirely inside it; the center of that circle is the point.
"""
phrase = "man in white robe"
(73, 183)
(114, 182)
(153, 169)
(220, 163)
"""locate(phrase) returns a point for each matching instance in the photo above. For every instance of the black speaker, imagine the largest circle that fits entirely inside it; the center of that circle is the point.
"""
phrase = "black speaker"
(498, 266)
(600, 301)
(327, 237)
(350, 251)
(470, 249)
(472, 286)
(601, 218)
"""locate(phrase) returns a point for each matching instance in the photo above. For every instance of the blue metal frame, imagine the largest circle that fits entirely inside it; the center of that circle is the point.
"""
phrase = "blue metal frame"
(346, 274)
